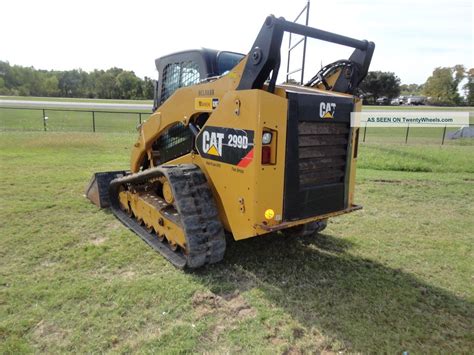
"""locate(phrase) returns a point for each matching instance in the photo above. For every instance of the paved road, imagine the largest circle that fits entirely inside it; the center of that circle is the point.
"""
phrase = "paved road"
(76, 105)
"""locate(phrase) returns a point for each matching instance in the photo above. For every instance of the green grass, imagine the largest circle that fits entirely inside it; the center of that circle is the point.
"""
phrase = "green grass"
(72, 99)
(419, 135)
(425, 158)
(394, 277)
(69, 121)
(420, 108)
(368, 107)
(32, 120)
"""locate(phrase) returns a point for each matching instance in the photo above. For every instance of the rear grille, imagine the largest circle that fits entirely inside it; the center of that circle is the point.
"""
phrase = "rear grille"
(322, 153)
(317, 155)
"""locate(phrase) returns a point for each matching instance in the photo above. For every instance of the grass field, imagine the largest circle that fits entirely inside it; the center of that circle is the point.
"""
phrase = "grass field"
(72, 99)
(396, 276)
(32, 120)
(75, 121)
(419, 108)
(67, 121)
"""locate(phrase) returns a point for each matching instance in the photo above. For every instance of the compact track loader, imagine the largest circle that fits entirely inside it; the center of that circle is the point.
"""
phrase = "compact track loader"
(228, 150)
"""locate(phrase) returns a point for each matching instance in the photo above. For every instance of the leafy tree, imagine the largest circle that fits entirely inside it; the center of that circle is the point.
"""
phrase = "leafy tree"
(291, 81)
(70, 83)
(468, 87)
(127, 85)
(148, 88)
(110, 84)
(51, 86)
(378, 84)
(105, 86)
(3, 89)
(411, 89)
(442, 86)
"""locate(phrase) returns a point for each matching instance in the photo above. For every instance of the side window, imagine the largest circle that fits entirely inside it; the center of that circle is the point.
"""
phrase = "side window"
(227, 60)
(174, 142)
(178, 75)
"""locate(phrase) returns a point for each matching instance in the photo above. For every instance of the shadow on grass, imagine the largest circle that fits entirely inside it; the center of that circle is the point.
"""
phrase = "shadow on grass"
(355, 302)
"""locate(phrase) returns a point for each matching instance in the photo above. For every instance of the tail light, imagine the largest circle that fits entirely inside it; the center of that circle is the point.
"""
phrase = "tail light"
(269, 139)
(266, 154)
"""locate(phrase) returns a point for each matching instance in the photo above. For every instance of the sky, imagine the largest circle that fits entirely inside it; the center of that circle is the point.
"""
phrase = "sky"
(411, 37)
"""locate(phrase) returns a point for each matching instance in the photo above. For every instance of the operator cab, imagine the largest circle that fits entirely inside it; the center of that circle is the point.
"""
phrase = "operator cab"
(190, 67)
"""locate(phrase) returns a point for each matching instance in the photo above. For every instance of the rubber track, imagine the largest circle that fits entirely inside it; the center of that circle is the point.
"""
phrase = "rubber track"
(198, 213)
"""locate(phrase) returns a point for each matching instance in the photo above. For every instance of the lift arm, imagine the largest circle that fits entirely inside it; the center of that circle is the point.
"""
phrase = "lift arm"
(264, 58)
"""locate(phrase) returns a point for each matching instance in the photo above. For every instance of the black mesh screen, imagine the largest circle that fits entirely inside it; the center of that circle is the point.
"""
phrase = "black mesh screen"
(178, 75)
(174, 142)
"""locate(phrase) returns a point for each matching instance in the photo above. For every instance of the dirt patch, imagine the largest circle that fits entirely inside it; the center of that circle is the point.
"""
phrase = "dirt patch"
(98, 241)
(114, 225)
(113, 274)
(47, 263)
(47, 333)
(133, 341)
(127, 274)
(292, 351)
(229, 309)
(205, 303)
(298, 332)
(386, 181)
(410, 182)
(233, 305)
(276, 341)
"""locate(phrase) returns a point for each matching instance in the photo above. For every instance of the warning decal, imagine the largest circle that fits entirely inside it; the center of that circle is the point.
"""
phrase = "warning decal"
(205, 103)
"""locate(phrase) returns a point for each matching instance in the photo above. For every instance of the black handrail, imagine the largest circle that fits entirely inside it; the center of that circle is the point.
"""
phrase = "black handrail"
(316, 33)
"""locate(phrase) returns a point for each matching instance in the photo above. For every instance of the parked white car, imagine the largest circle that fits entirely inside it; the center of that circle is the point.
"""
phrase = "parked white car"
(382, 101)
(416, 100)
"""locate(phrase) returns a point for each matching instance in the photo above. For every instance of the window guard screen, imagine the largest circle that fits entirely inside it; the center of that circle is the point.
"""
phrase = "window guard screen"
(178, 75)
(174, 142)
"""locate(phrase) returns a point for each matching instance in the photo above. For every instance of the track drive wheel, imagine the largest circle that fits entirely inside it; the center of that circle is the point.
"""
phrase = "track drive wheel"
(308, 229)
(167, 192)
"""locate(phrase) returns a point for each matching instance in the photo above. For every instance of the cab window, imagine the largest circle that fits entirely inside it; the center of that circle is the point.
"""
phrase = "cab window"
(227, 60)
(178, 75)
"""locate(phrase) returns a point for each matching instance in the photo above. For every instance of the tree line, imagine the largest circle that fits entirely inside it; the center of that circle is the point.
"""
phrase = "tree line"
(441, 88)
(113, 83)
